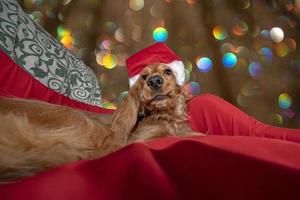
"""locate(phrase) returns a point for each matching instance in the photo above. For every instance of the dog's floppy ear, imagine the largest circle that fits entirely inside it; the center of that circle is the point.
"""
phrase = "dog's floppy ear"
(181, 100)
(183, 90)
(125, 117)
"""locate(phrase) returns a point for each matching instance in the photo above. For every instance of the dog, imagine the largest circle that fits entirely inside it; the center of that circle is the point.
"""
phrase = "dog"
(36, 136)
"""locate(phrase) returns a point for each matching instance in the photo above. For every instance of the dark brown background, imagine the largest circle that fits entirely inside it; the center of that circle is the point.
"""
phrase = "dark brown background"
(190, 25)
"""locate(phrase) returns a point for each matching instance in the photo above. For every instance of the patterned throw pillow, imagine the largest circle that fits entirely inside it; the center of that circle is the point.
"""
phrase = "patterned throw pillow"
(42, 56)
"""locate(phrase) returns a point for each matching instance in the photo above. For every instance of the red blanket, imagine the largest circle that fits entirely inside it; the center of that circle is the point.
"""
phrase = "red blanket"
(212, 167)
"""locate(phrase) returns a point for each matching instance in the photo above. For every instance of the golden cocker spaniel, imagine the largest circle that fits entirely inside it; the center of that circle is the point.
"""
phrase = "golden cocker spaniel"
(35, 135)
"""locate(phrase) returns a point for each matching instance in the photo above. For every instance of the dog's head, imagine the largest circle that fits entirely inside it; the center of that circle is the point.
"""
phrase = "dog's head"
(155, 92)
(157, 88)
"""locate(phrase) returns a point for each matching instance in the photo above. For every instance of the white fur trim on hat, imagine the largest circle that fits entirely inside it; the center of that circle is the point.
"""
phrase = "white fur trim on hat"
(178, 69)
(133, 79)
(176, 66)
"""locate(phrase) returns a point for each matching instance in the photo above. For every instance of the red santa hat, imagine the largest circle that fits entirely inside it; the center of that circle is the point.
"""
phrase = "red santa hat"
(154, 54)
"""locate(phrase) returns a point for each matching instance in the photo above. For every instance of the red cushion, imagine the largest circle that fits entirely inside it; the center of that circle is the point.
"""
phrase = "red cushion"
(15, 82)
(212, 115)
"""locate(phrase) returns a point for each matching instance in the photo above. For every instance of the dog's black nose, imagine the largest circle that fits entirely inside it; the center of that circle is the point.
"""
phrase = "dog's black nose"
(155, 82)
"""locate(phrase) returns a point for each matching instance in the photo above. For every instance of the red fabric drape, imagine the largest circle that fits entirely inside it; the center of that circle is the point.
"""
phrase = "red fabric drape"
(225, 165)
(240, 158)
(212, 167)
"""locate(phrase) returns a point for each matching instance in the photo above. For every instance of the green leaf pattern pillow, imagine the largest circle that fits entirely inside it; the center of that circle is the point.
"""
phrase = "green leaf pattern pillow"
(42, 56)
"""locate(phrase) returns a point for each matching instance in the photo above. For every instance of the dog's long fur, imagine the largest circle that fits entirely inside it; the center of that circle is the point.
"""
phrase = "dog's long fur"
(35, 135)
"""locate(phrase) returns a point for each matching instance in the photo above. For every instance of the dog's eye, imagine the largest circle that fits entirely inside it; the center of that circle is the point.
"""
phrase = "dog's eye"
(144, 76)
(168, 71)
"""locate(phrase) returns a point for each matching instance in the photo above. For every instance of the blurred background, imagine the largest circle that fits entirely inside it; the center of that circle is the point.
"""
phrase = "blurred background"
(244, 51)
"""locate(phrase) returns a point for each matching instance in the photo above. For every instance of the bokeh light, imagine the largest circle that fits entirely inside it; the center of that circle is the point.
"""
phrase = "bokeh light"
(289, 113)
(220, 33)
(266, 52)
(36, 16)
(187, 75)
(191, 2)
(119, 35)
(281, 49)
(193, 88)
(66, 2)
(276, 119)
(229, 60)
(244, 4)
(110, 27)
(61, 31)
(109, 61)
(251, 88)
(241, 100)
(109, 105)
(276, 34)
(265, 34)
(284, 101)
(291, 43)
(188, 65)
(240, 28)
(204, 64)
(136, 4)
(65, 37)
(255, 69)
(160, 34)
(31, 3)
(243, 51)
(106, 45)
(227, 47)
(67, 41)
(122, 96)
(99, 58)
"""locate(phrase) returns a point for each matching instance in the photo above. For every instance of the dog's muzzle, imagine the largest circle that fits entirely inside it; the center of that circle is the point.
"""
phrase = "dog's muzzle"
(155, 82)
